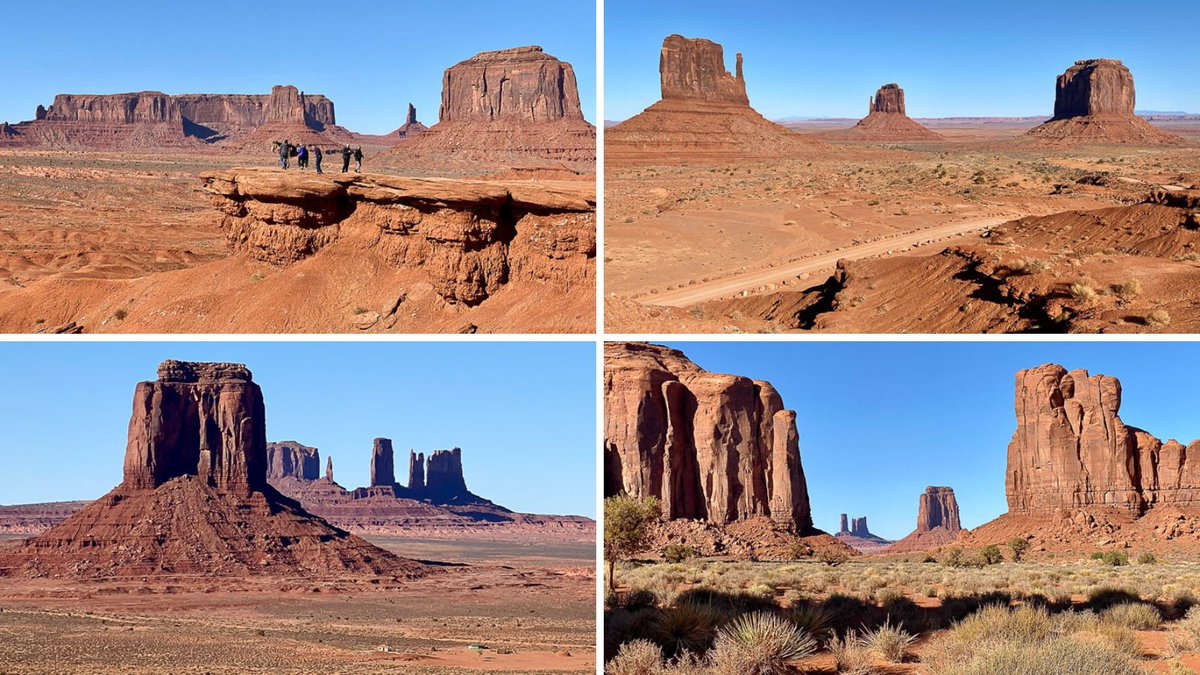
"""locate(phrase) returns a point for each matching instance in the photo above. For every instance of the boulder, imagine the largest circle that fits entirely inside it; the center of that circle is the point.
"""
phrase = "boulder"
(710, 447)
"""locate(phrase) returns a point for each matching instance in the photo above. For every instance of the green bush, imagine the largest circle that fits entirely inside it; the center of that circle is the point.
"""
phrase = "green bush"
(676, 553)
(1018, 546)
(991, 555)
(1147, 558)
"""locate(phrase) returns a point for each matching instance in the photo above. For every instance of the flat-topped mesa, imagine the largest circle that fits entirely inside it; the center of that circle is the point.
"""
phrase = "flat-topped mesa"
(889, 99)
(938, 508)
(444, 476)
(1071, 451)
(289, 459)
(198, 419)
(713, 447)
(1094, 87)
(694, 68)
(132, 108)
(523, 83)
(416, 470)
(383, 464)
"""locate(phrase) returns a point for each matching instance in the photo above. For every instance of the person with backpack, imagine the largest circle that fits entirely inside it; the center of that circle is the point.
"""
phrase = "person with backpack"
(284, 151)
(358, 159)
(346, 158)
(317, 154)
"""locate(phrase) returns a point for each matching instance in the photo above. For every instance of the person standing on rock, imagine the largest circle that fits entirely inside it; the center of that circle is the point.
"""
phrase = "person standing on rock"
(284, 151)
(302, 156)
(346, 158)
(358, 159)
(317, 155)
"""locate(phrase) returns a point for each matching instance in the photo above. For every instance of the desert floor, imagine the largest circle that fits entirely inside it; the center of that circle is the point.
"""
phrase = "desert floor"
(684, 235)
(1135, 612)
(532, 608)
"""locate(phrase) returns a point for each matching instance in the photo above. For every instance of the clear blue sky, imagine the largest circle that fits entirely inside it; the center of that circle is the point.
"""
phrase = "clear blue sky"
(523, 413)
(878, 422)
(953, 57)
(370, 58)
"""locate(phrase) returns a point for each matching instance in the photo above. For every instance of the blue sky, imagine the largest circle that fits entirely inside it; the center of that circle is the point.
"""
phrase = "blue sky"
(878, 422)
(370, 58)
(953, 57)
(523, 413)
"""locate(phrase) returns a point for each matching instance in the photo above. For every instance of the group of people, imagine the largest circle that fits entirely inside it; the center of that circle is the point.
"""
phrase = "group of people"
(303, 152)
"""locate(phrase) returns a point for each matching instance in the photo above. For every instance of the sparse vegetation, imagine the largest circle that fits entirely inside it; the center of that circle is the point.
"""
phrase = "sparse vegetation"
(627, 523)
(120, 314)
(889, 641)
(1158, 317)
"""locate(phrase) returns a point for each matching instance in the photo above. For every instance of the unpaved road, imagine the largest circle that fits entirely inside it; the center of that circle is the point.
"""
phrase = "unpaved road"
(747, 281)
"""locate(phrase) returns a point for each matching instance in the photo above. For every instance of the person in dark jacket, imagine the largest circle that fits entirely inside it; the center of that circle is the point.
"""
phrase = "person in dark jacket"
(284, 151)
(358, 159)
(346, 158)
(302, 157)
(317, 154)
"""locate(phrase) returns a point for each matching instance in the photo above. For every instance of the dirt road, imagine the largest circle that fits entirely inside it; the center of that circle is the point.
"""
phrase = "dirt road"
(746, 281)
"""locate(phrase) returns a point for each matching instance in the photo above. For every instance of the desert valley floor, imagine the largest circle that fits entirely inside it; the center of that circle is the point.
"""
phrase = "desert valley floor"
(754, 246)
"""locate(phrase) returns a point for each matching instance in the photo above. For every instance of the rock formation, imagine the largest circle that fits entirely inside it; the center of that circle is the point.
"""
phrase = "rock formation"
(510, 106)
(855, 534)
(704, 115)
(289, 459)
(937, 522)
(1094, 103)
(713, 447)
(858, 527)
(466, 239)
(195, 498)
(843, 529)
(938, 508)
(416, 470)
(887, 120)
(383, 464)
(329, 469)
(153, 119)
(411, 126)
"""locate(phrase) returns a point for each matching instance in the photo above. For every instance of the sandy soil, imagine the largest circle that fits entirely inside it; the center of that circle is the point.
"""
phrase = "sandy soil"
(679, 236)
(532, 610)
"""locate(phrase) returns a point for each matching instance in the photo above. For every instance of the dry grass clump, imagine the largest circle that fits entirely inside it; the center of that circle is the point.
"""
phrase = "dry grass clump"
(1158, 317)
(1127, 290)
(851, 655)
(889, 642)
(759, 643)
(1133, 615)
(639, 657)
(1082, 293)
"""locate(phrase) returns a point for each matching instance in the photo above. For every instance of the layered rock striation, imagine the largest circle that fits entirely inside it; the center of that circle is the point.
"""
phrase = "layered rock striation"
(712, 447)
(195, 498)
(704, 115)
(511, 106)
(467, 239)
(1094, 102)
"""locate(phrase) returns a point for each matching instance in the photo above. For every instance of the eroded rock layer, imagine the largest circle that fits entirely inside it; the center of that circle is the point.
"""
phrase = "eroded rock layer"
(508, 107)
(291, 459)
(704, 115)
(712, 447)
(1094, 103)
(468, 238)
(195, 499)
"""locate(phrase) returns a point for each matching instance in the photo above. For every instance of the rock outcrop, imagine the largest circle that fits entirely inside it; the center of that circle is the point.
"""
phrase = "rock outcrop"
(1094, 103)
(195, 498)
(411, 126)
(416, 470)
(289, 459)
(704, 115)
(329, 469)
(151, 119)
(1071, 450)
(855, 534)
(508, 107)
(937, 522)
(383, 463)
(887, 120)
(468, 239)
(712, 447)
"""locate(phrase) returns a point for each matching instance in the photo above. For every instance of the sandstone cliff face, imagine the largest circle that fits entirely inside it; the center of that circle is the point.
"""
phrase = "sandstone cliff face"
(289, 459)
(416, 471)
(198, 419)
(889, 99)
(444, 480)
(714, 447)
(695, 69)
(1094, 87)
(469, 239)
(524, 83)
(1072, 451)
(938, 508)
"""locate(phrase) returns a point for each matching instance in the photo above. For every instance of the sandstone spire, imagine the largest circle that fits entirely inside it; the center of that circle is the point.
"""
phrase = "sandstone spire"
(938, 508)
(383, 466)
(329, 469)
(416, 470)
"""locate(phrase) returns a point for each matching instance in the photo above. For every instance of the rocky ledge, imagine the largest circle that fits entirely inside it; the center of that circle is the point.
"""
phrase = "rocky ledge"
(470, 238)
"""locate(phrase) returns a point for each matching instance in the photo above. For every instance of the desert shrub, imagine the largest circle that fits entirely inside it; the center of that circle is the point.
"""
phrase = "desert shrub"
(1127, 290)
(1190, 624)
(888, 595)
(639, 657)
(1082, 293)
(1158, 317)
(990, 555)
(850, 654)
(760, 643)
(1147, 558)
(997, 622)
(1120, 638)
(798, 550)
(953, 557)
(687, 627)
(1177, 668)
(1135, 615)
(889, 641)
(676, 553)
(1114, 558)
(833, 556)
(1063, 656)
(627, 522)
(1018, 546)
(120, 314)
(812, 618)
(1179, 642)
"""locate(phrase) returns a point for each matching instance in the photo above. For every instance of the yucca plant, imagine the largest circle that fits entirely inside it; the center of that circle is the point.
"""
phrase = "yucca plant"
(760, 643)
(687, 627)
(889, 641)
